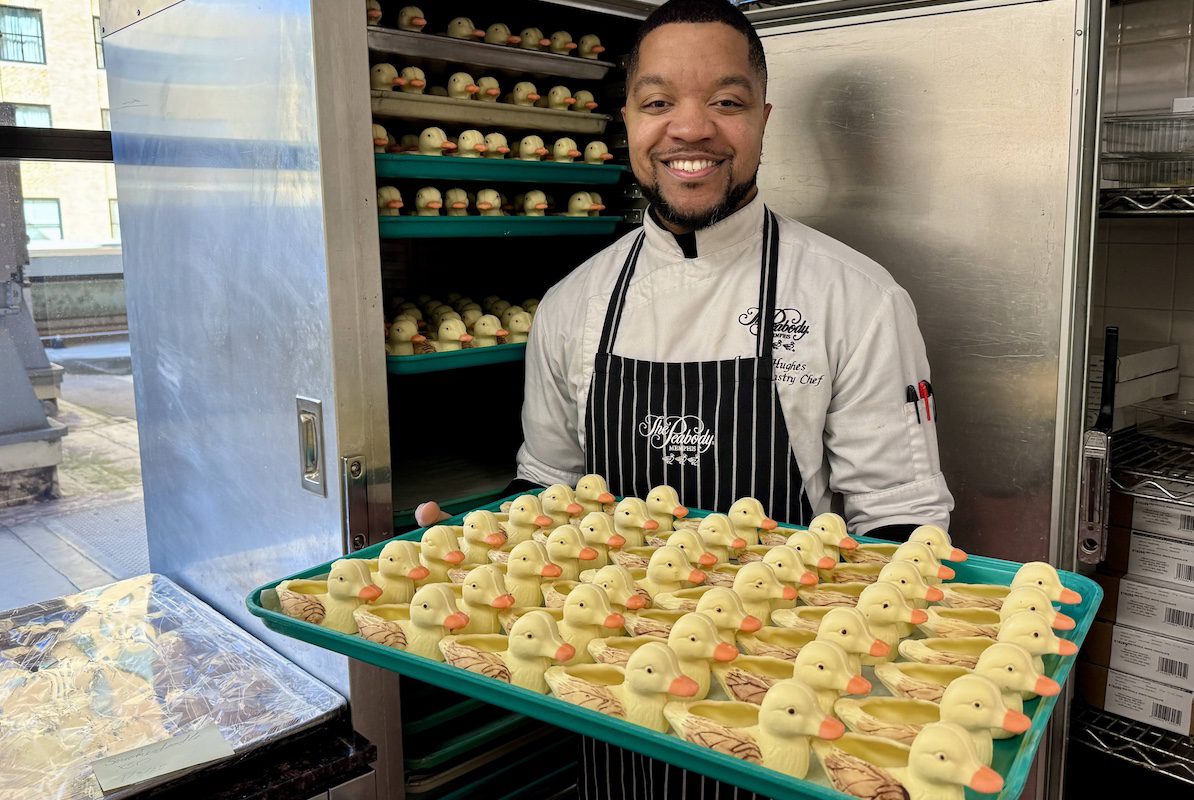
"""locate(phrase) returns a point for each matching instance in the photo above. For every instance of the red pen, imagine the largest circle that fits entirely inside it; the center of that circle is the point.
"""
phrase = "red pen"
(923, 389)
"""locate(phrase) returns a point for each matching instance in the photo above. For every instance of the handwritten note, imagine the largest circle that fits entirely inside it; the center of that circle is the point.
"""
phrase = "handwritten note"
(161, 758)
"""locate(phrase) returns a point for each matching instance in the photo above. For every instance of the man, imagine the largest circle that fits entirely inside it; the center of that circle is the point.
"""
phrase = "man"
(724, 350)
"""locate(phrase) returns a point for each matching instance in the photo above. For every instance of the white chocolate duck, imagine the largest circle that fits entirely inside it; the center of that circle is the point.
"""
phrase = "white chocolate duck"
(619, 586)
(560, 98)
(1009, 666)
(592, 492)
(451, 336)
(696, 642)
(719, 537)
(488, 89)
(330, 603)
(729, 616)
(884, 608)
(526, 568)
(399, 571)
(558, 500)
(499, 33)
(525, 517)
(519, 659)
(416, 628)
(381, 139)
(482, 533)
(564, 152)
(942, 763)
(372, 12)
(689, 543)
(758, 587)
(932, 570)
(471, 144)
(463, 28)
(985, 622)
(597, 528)
(585, 103)
(747, 518)
(597, 153)
(519, 328)
(389, 201)
(409, 143)
(411, 18)
(508, 312)
(383, 77)
(663, 504)
(938, 542)
(456, 200)
(487, 329)
(633, 521)
(531, 148)
(975, 703)
(566, 547)
(1044, 576)
(489, 203)
(483, 596)
(533, 39)
(907, 578)
(825, 667)
(831, 530)
(790, 570)
(461, 86)
(590, 47)
(579, 205)
(496, 146)
(637, 693)
(598, 204)
(524, 94)
(434, 142)
(411, 80)
(811, 549)
(848, 627)
(562, 44)
(588, 615)
(669, 571)
(1030, 630)
(534, 203)
(439, 551)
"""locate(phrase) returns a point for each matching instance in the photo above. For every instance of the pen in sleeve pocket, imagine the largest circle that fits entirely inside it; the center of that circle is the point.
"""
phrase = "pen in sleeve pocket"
(923, 387)
(910, 394)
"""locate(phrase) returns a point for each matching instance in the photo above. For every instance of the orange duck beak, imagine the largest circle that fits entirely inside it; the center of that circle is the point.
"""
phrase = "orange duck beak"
(769, 524)
(454, 557)
(986, 781)
(551, 571)
(543, 521)
(455, 622)
(587, 554)
(879, 648)
(418, 573)
(617, 540)
(858, 685)
(635, 602)
(566, 652)
(502, 601)
(495, 539)
(725, 652)
(369, 593)
(831, 729)
(919, 616)
(750, 624)
(650, 525)
(707, 559)
(617, 621)
(605, 497)
(683, 686)
(933, 594)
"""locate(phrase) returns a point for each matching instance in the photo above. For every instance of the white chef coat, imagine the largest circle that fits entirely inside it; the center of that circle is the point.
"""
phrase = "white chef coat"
(846, 347)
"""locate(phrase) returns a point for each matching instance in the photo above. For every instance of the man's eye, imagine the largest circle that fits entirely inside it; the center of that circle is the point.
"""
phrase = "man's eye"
(729, 104)
(655, 104)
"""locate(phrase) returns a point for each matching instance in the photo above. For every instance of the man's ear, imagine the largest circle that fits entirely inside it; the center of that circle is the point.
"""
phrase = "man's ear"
(766, 114)
(623, 114)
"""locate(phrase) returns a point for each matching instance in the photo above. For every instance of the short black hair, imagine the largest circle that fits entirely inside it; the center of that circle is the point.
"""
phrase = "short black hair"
(698, 11)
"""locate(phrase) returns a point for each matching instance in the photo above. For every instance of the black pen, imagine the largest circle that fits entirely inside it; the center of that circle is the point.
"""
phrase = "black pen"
(910, 394)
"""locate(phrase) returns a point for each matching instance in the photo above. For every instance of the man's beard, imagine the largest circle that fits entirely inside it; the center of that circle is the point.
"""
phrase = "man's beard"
(703, 219)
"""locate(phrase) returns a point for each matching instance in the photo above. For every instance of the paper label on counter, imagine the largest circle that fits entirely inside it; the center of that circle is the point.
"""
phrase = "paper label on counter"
(1165, 558)
(1148, 655)
(1157, 516)
(161, 758)
(1156, 608)
(1149, 702)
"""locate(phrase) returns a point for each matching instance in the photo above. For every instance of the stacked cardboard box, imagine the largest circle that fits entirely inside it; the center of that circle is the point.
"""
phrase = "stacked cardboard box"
(1144, 371)
(1138, 660)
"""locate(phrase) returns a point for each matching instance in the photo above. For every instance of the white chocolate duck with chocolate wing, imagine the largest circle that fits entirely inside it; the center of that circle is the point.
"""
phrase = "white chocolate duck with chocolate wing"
(590, 47)
(775, 734)
(633, 521)
(525, 517)
(411, 18)
(519, 659)
(943, 763)
(669, 571)
(486, 331)
(747, 518)
(848, 628)
(558, 500)
(587, 616)
(1009, 666)
(664, 506)
(519, 328)
(499, 33)
(439, 551)
(330, 603)
(811, 550)
(496, 146)
(411, 80)
(399, 571)
(428, 202)
(619, 587)
(463, 28)
(579, 205)
(566, 548)
(637, 693)
(598, 203)
(729, 616)
(562, 44)
(932, 570)
(488, 89)
(830, 528)
(757, 585)
(560, 98)
(416, 628)
(824, 666)
(471, 144)
(790, 570)
(383, 77)
(688, 542)
(482, 534)
(592, 492)
(719, 537)
(597, 153)
(389, 201)
(985, 622)
(695, 641)
(884, 608)
(489, 203)
(906, 577)
(527, 567)
(457, 202)
(483, 596)
(938, 542)
(597, 528)
(1030, 630)
(1034, 573)
(531, 148)
(975, 703)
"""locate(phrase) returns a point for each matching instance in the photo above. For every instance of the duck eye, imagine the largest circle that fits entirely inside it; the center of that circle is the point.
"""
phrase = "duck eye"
(424, 606)
(718, 610)
(941, 756)
(1036, 634)
(977, 704)
(650, 671)
(791, 711)
(530, 636)
(845, 632)
(692, 638)
(821, 667)
(582, 605)
(885, 605)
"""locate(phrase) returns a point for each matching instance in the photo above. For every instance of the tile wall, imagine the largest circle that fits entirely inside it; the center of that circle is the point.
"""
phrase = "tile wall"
(1143, 276)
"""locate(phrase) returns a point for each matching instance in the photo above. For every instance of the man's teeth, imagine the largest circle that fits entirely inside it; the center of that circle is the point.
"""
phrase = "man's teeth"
(691, 166)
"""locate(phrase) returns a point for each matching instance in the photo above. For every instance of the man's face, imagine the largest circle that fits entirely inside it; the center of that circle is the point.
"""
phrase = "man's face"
(695, 117)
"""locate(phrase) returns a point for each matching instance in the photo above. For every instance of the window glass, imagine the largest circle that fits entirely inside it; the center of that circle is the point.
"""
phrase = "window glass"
(21, 36)
(29, 116)
(43, 219)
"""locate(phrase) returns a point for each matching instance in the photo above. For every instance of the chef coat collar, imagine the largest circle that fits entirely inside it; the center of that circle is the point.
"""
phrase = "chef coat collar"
(743, 224)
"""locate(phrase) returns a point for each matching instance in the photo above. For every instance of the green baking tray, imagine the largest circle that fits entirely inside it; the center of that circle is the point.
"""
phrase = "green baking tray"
(509, 170)
(1013, 757)
(493, 227)
(456, 359)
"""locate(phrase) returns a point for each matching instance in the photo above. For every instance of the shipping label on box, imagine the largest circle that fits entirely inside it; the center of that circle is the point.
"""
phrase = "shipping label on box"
(1156, 608)
(1149, 702)
(1148, 655)
(1151, 555)
(1158, 516)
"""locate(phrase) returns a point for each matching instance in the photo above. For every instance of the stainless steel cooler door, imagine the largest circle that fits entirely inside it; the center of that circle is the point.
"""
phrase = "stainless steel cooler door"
(946, 142)
(252, 282)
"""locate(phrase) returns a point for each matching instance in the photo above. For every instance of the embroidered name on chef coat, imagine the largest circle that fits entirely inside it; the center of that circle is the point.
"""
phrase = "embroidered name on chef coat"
(681, 438)
(790, 326)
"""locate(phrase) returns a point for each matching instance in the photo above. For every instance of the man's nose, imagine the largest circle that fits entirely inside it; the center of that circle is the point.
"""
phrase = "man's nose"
(691, 122)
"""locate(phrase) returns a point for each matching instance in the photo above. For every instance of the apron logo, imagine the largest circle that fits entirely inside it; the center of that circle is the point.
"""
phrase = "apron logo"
(681, 438)
(790, 326)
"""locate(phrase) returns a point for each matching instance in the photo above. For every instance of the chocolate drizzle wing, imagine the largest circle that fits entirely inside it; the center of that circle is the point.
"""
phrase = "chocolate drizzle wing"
(852, 775)
(377, 630)
(710, 734)
(588, 695)
(490, 665)
(746, 686)
(301, 606)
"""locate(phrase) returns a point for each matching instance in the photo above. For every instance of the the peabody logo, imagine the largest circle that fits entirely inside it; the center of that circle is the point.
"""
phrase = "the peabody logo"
(682, 439)
(790, 326)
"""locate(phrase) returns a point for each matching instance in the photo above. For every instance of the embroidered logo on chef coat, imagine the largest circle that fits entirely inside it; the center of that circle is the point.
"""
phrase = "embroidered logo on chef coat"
(681, 438)
(790, 326)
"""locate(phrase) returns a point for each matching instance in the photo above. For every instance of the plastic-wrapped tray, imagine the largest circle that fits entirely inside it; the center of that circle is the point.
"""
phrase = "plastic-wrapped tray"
(509, 170)
(499, 227)
(1013, 757)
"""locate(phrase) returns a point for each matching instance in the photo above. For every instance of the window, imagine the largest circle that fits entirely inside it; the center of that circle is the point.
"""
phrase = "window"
(105, 119)
(43, 220)
(29, 116)
(99, 42)
(20, 35)
(114, 218)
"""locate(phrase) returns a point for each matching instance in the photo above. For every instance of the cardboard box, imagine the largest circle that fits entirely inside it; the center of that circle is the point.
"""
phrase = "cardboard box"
(1144, 654)
(1152, 516)
(1153, 556)
(1135, 360)
(1137, 390)
(1147, 605)
(1139, 699)
(1182, 105)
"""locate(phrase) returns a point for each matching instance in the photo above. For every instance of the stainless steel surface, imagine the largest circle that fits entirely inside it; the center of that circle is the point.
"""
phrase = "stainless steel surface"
(1095, 488)
(310, 438)
(1151, 748)
(396, 105)
(441, 51)
(901, 139)
(118, 14)
(248, 283)
(363, 787)
(1146, 202)
(356, 502)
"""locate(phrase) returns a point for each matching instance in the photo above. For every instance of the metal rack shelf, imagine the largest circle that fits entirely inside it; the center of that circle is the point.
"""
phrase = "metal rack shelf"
(1140, 202)
(1151, 748)
(454, 168)
(442, 52)
(402, 105)
(499, 227)
(1154, 468)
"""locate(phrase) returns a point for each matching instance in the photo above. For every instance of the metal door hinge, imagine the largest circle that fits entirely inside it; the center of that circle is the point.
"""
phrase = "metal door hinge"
(356, 502)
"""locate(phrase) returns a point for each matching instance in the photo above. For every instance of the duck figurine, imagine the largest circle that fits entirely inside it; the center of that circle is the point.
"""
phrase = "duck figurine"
(564, 152)
(619, 587)
(579, 205)
(526, 568)
(943, 763)
(696, 642)
(524, 94)
(775, 734)
(489, 203)
(830, 528)
(499, 33)
(864, 766)
(434, 142)
(506, 314)
(597, 153)
(534, 202)
(558, 500)
(585, 103)
(975, 703)
(848, 628)
(1031, 631)
(533, 39)
(416, 628)
(483, 597)
(592, 492)
(947, 622)
(590, 47)
(439, 551)
(471, 144)
(559, 98)
(389, 201)
(919, 681)
(983, 595)
(487, 328)
(496, 146)
(525, 517)
(637, 693)
(561, 43)
(811, 550)
(719, 538)
(482, 534)
(669, 571)
(790, 570)
(461, 86)
(381, 139)
(587, 615)
(1009, 666)
(372, 12)
(463, 28)
(519, 659)
(633, 521)
(457, 204)
(664, 506)
(690, 544)
(729, 616)
(598, 206)
(938, 542)
(758, 587)
(411, 18)
(1044, 576)
(531, 148)
(747, 518)
(383, 77)
(932, 570)
(488, 89)
(330, 603)
(402, 334)
(411, 80)
(451, 336)
(399, 571)
(907, 578)
(597, 528)
(566, 548)
(825, 667)
(884, 608)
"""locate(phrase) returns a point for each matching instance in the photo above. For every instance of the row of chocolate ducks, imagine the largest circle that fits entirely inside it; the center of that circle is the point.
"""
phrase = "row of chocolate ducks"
(747, 678)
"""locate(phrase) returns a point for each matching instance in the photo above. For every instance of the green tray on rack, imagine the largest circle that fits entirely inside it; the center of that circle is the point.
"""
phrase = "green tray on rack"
(456, 359)
(510, 170)
(495, 227)
(1013, 757)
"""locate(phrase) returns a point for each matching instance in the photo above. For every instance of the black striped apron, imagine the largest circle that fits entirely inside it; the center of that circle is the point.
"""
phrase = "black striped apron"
(715, 431)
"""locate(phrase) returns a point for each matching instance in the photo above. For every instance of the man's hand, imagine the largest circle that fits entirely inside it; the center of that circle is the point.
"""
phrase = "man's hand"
(429, 513)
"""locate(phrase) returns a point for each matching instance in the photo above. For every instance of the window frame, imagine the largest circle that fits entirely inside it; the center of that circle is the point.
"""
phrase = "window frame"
(114, 218)
(49, 114)
(99, 43)
(33, 13)
(57, 207)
